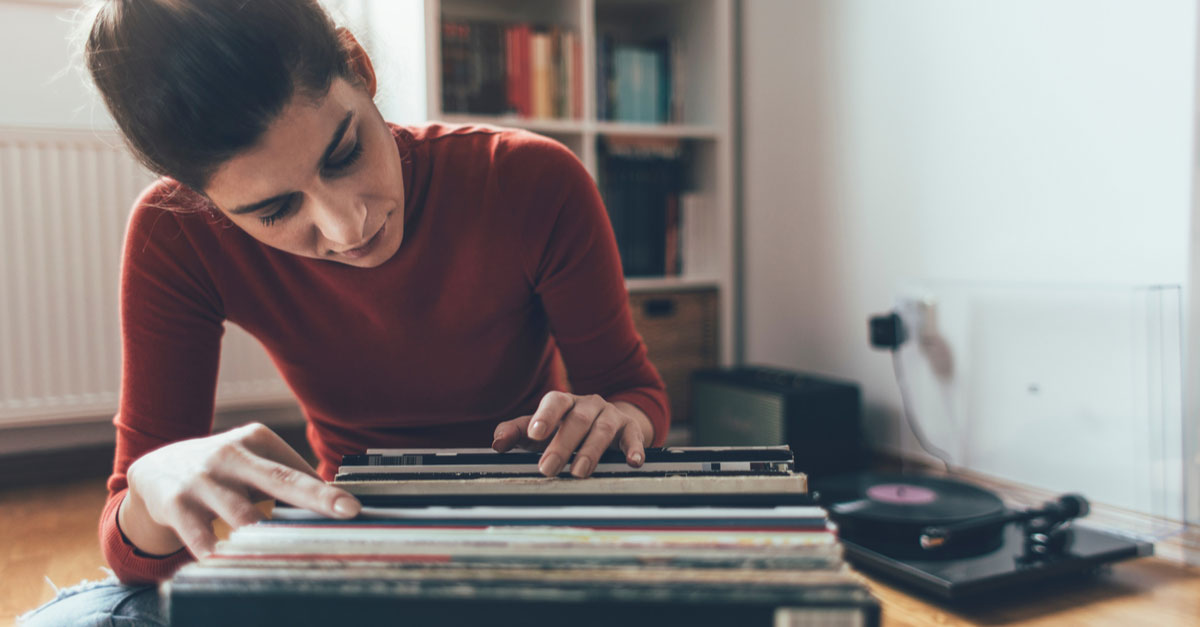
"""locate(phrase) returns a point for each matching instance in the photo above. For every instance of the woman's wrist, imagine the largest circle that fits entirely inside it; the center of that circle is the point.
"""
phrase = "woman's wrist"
(139, 529)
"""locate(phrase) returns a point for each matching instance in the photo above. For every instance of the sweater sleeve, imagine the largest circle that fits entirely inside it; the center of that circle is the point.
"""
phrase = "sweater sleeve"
(571, 259)
(171, 328)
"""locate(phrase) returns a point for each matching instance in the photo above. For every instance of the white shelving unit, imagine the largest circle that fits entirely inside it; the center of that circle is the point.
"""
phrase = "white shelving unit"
(705, 30)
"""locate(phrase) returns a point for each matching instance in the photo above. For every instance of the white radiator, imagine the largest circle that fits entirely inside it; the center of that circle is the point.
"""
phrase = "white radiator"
(64, 202)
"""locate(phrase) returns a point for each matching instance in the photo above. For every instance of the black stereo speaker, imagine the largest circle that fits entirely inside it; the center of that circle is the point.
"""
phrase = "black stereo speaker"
(821, 419)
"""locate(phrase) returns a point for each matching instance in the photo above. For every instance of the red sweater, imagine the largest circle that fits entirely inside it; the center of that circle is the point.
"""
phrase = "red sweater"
(508, 259)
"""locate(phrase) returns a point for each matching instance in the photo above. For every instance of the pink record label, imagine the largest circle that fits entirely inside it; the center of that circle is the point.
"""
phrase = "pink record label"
(901, 494)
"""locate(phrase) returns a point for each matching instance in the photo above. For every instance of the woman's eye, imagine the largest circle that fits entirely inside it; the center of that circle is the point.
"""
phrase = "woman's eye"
(344, 162)
(279, 213)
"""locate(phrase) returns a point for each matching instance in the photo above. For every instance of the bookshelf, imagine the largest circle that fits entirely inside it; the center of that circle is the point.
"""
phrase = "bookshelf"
(693, 103)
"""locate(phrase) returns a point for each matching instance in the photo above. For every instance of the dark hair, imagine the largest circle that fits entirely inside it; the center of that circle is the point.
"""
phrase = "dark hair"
(193, 82)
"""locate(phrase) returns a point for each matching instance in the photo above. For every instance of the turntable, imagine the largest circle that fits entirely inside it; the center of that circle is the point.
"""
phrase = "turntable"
(954, 541)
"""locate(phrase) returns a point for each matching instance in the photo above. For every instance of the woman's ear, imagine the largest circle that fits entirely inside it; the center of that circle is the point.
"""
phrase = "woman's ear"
(360, 63)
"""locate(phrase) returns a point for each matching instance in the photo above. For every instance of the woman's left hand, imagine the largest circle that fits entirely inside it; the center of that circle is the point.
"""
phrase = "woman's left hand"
(565, 422)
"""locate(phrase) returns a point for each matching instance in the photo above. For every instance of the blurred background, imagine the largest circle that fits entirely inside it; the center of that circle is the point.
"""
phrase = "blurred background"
(1004, 175)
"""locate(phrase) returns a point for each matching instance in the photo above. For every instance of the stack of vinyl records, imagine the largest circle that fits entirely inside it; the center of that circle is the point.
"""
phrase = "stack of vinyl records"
(696, 536)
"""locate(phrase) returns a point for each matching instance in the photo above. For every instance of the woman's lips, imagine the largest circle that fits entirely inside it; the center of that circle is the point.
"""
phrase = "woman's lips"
(365, 249)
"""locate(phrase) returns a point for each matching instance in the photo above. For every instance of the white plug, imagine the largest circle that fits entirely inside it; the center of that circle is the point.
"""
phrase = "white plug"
(927, 323)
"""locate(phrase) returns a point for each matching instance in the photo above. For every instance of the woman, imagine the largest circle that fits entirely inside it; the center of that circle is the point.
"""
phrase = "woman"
(414, 285)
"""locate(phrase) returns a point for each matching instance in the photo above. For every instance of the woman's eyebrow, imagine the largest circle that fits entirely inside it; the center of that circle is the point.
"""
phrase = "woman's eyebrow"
(338, 134)
(262, 204)
(337, 138)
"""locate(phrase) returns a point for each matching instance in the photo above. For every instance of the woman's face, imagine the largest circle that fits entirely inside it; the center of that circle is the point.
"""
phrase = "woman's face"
(324, 181)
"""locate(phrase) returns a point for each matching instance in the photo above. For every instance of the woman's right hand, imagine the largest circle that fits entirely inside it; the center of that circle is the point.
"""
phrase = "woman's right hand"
(176, 492)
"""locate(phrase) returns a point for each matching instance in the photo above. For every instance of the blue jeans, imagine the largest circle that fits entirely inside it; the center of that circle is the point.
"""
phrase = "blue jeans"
(107, 603)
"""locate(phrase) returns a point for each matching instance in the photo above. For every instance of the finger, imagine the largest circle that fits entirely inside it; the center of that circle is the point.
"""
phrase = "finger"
(632, 446)
(549, 414)
(572, 429)
(511, 437)
(604, 430)
(264, 442)
(230, 505)
(510, 433)
(194, 528)
(298, 488)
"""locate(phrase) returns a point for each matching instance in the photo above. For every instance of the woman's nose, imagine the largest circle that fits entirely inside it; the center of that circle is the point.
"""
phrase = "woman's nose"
(343, 225)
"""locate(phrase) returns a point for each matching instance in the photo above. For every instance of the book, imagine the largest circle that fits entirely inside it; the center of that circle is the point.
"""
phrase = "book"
(505, 68)
(641, 179)
(640, 81)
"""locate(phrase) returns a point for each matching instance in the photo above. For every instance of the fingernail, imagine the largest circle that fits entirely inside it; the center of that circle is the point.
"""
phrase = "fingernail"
(345, 506)
(495, 442)
(535, 429)
(581, 467)
(637, 458)
(551, 465)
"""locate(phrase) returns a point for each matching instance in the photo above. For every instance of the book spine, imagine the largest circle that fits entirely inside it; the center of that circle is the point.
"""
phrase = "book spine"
(623, 74)
(566, 69)
(540, 52)
(525, 69)
(577, 83)
(649, 84)
(453, 67)
(512, 74)
(475, 69)
(604, 78)
(567, 74)
(637, 89)
(663, 65)
(677, 61)
(555, 72)
(671, 246)
(495, 97)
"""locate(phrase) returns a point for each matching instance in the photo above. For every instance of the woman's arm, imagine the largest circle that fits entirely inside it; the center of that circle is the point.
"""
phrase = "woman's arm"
(170, 477)
(572, 262)
(177, 491)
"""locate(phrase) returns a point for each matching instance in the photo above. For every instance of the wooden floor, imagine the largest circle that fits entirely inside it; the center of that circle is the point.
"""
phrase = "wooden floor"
(48, 532)
(51, 532)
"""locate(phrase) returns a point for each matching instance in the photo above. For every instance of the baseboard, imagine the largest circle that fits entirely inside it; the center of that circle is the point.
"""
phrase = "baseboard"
(40, 468)
(85, 451)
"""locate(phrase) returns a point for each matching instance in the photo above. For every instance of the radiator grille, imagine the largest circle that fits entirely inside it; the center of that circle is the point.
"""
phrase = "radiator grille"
(64, 202)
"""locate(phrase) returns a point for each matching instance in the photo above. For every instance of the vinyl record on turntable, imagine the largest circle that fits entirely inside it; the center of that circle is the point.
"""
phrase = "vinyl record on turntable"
(888, 512)
(881, 519)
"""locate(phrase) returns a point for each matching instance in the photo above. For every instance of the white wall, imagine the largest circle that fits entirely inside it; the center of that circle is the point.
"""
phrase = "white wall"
(43, 84)
(1191, 431)
(393, 32)
(1034, 141)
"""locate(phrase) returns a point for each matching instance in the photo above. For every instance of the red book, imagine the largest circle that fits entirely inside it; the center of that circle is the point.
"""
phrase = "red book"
(554, 80)
(672, 244)
(525, 63)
